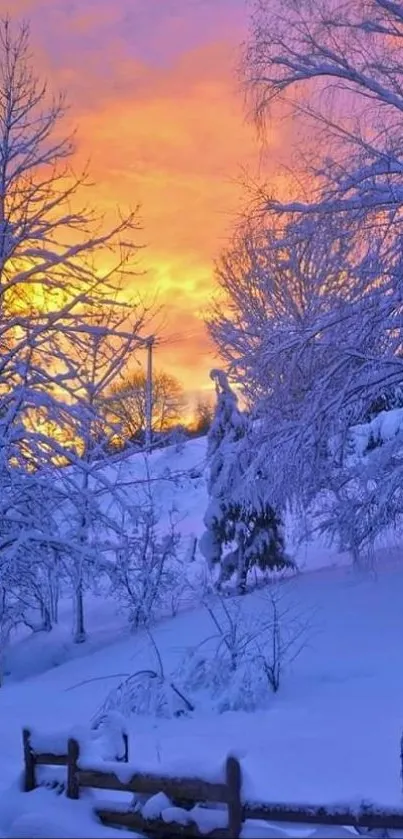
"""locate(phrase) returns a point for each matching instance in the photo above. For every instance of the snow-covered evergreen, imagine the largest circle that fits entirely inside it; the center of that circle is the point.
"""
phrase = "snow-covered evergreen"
(242, 529)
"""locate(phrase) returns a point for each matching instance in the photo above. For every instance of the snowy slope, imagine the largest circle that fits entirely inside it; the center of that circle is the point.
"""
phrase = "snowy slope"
(330, 735)
(178, 484)
(178, 481)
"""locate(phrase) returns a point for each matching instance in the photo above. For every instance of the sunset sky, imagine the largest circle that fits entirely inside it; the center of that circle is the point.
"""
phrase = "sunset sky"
(160, 117)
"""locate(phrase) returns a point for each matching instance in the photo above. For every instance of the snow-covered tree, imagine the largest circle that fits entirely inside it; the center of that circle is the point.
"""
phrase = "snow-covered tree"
(345, 59)
(339, 67)
(242, 528)
(89, 521)
(56, 267)
(279, 280)
(389, 399)
(52, 252)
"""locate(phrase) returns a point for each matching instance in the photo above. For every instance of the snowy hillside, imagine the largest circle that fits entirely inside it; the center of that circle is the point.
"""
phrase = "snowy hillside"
(331, 734)
(177, 477)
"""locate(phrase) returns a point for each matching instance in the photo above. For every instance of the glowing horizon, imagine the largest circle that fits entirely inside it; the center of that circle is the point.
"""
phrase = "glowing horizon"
(159, 115)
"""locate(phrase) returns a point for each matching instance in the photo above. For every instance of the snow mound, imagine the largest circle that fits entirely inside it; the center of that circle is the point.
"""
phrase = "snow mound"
(38, 826)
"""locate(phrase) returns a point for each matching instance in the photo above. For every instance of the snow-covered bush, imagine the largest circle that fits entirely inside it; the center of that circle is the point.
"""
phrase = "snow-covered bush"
(222, 666)
(107, 733)
(224, 687)
(246, 657)
(145, 693)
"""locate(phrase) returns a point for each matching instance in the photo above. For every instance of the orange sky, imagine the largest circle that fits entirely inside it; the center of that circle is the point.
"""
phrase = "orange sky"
(158, 113)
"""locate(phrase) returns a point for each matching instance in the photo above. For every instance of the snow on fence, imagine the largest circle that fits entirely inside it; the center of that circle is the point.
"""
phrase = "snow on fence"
(50, 750)
(177, 805)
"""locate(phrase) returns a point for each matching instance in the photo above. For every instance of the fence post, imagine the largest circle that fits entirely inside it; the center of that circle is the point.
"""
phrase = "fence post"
(29, 761)
(234, 784)
(124, 758)
(126, 747)
(73, 753)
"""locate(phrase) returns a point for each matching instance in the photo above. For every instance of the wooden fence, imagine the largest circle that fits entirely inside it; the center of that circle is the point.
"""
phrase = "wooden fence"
(186, 792)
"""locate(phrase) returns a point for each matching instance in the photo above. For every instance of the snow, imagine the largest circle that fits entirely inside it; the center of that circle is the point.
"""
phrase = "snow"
(43, 815)
(153, 808)
(173, 766)
(382, 428)
(207, 819)
(178, 483)
(105, 742)
(263, 830)
(56, 742)
(330, 736)
(176, 814)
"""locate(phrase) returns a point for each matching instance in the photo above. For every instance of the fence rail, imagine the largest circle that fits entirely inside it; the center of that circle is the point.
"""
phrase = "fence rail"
(191, 791)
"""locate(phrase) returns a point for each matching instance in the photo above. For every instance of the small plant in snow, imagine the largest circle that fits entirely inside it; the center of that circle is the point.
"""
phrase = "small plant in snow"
(145, 570)
(284, 637)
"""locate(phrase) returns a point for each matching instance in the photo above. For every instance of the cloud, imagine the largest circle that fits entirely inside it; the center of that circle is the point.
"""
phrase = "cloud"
(155, 98)
(173, 141)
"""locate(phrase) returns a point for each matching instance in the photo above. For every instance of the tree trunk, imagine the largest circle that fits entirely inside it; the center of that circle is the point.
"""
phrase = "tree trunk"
(243, 566)
(46, 625)
(356, 557)
(80, 635)
(54, 595)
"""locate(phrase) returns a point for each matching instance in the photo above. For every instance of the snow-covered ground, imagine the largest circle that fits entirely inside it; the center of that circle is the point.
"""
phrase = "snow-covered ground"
(330, 735)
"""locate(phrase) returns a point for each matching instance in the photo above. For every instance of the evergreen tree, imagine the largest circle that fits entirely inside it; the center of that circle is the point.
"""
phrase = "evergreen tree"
(242, 529)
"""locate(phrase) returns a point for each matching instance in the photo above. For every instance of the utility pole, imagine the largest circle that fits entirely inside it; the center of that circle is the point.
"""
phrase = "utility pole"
(149, 393)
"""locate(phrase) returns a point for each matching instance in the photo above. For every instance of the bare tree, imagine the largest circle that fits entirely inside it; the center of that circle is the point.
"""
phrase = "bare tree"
(128, 401)
(100, 352)
(203, 415)
(51, 252)
(58, 263)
